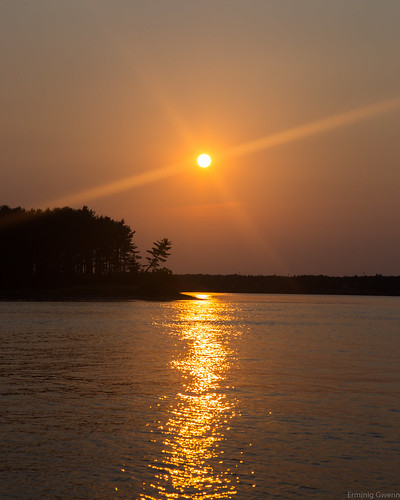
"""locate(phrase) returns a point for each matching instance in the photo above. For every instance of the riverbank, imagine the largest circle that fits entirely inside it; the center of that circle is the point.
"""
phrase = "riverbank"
(90, 293)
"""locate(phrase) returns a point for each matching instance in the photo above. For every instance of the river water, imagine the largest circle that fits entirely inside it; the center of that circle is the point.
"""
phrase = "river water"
(226, 396)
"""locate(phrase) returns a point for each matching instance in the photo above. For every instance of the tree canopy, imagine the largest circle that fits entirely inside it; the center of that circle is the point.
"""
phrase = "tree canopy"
(62, 246)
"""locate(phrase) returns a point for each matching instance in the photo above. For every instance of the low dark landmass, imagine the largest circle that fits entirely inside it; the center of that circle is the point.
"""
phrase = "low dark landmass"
(88, 294)
(160, 286)
(165, 287)
(75, 254)
(308, 284)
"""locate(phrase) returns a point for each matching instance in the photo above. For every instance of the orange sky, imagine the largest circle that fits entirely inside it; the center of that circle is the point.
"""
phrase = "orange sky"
(108, 104)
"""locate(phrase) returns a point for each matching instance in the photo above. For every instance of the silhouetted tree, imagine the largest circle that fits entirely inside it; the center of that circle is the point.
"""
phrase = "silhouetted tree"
(158, 254)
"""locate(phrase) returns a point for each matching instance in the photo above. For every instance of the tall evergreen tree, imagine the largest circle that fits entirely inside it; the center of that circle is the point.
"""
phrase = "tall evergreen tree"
(158, 254)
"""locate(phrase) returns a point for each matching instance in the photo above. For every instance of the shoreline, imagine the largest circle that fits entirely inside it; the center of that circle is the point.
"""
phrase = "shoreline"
(87, 295)
(184, 285)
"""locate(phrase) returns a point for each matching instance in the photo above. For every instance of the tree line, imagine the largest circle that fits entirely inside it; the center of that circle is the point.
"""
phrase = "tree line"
(305, 284)
(64, 246)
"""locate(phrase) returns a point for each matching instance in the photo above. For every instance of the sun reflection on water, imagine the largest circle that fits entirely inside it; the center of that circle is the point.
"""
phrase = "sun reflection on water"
(192, 461)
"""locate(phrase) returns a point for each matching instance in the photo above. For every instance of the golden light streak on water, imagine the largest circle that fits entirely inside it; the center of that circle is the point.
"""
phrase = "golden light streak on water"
(192, 462)
(202, 296)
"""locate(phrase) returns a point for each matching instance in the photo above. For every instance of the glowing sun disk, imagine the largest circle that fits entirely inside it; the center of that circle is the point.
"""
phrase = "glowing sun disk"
(204, 161)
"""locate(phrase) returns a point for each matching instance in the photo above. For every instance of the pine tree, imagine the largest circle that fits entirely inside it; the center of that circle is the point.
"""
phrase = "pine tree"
(158, 254)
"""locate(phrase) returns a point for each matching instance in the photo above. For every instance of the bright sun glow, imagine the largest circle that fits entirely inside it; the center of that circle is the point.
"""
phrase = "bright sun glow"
(204, 161)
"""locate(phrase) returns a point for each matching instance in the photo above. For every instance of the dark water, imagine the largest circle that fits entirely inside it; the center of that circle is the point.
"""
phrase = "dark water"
(233, 396)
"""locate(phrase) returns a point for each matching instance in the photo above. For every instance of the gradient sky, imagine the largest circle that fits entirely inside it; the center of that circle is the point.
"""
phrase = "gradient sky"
(108, 104)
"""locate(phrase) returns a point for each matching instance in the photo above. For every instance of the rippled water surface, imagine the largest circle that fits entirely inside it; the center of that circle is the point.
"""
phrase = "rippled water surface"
(228, 396)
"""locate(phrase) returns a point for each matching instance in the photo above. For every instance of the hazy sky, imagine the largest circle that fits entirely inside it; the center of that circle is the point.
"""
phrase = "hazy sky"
(108, 104)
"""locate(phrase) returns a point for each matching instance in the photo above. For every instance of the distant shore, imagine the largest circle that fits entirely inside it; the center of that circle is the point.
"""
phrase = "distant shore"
(305, 284)
(227, 283)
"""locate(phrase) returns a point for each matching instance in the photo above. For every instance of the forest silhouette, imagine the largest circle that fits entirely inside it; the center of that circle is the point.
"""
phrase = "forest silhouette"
(67, 247)
(67, 253)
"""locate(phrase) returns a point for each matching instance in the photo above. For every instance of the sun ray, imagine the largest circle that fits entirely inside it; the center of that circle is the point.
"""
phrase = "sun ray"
(144, 72)
(239, 213)
(269, 141)
(119, 185)
(313, 128)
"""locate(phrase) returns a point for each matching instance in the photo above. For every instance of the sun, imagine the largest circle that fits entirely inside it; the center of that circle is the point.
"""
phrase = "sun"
(204, 161)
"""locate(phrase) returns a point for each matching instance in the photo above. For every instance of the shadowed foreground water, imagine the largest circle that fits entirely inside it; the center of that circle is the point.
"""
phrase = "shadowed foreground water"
(228, 396)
